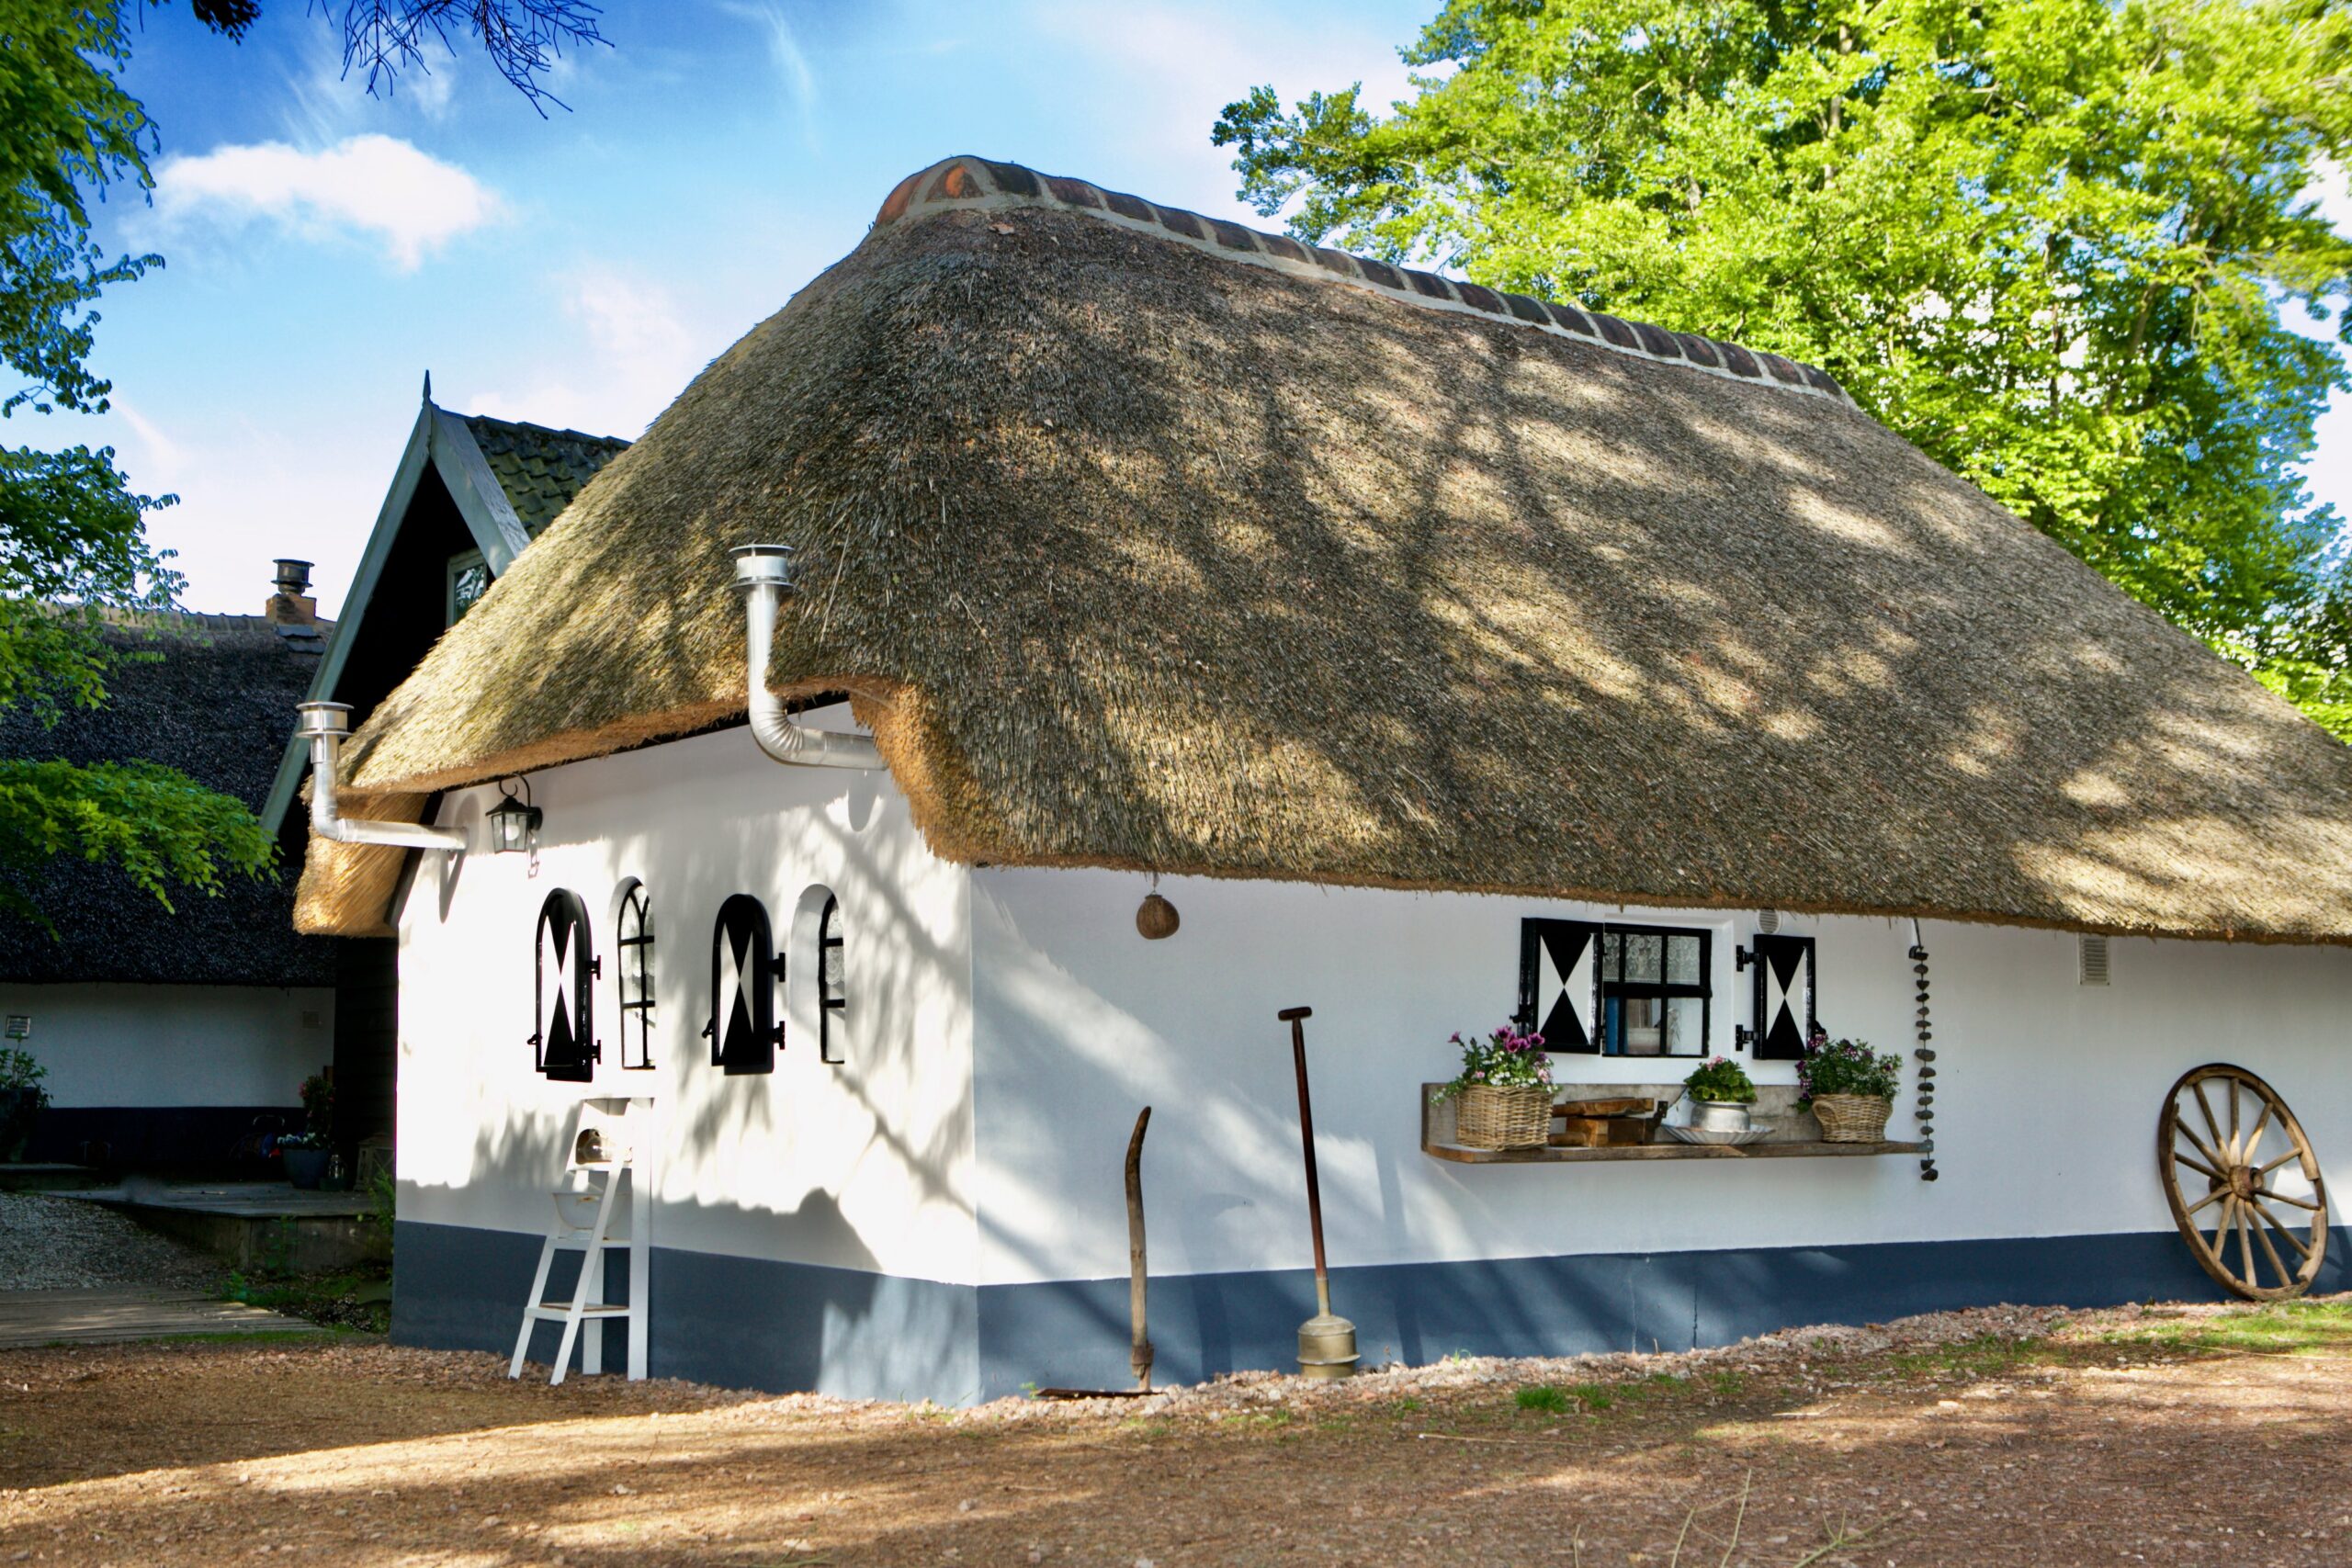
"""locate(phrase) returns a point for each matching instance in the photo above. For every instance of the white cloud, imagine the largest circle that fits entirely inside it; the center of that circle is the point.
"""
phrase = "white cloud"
(791, 61)
(633, 352)
(375, 185)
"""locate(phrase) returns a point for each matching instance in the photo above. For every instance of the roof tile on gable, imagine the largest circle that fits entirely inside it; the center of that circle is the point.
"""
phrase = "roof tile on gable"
(541, 469)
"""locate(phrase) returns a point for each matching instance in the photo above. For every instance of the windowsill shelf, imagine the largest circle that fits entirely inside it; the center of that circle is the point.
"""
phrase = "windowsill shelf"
(1796, 1148)
(1796, 1135)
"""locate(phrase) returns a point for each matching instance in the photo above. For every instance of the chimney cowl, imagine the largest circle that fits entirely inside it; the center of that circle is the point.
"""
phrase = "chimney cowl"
(290, 603)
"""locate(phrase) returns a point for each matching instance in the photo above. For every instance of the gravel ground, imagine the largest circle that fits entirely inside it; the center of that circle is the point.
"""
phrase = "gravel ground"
(2001, 1436)
(59, 1243)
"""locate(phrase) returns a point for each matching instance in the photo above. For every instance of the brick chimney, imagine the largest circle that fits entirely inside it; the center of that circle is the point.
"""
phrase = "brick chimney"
(292, 605)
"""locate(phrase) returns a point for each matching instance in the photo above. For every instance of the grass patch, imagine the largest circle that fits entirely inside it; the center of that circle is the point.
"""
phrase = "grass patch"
(2277, 1328)
(1592, 1396)
(349, 1298)
(1726, 1385)
(1259, 1419)
(1409, 1406)
(1986, 1355)
(1542, 1396)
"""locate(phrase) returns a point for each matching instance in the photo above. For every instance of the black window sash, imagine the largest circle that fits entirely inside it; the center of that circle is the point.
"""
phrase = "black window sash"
(637, 958)
(1660, 989)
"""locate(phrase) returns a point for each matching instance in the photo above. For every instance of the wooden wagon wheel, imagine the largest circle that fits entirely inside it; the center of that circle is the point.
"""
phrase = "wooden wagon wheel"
(2237, 1171)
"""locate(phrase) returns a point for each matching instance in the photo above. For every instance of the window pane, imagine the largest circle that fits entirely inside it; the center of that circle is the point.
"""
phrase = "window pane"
(1613, 952)
(1642, 954)
(1685, 1026)
(1682, 960)
(1639, 1026)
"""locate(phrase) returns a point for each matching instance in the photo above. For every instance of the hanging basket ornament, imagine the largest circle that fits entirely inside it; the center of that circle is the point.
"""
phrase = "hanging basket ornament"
(1156, 918)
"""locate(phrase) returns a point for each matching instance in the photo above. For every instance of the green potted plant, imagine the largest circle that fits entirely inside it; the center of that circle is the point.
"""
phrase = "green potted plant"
(22, 1099)
(1505, 1090)
(1721, 1092)
(1850, 1088)
(311, 1152)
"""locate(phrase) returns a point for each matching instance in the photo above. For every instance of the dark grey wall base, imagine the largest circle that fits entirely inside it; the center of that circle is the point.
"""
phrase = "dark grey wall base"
(735, 1322)
(745, 1323)
(192, 1138)
(1074, 1332)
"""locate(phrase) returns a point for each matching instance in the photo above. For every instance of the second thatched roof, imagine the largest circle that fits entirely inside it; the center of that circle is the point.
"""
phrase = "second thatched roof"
(1142, 541)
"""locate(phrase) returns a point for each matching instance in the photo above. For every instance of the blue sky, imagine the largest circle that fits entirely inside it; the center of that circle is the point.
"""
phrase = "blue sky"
(325, 249)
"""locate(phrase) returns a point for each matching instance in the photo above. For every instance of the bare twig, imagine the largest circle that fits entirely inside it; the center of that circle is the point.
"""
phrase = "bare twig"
(1839, 1541)
(1675, 1560)
(523, 38)
(1732, 1545)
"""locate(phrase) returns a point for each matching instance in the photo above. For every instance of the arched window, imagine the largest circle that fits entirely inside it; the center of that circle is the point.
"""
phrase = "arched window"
(563, 1033)
(832, 989)
(634, 982)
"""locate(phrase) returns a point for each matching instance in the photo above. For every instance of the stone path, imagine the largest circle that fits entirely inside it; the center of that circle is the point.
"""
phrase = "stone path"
(105, 1314)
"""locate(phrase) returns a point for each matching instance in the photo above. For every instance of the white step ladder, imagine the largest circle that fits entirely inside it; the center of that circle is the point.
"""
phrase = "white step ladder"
(606, 1211)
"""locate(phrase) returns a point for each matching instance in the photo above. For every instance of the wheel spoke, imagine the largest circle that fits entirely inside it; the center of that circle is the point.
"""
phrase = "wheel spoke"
(2253, 1137)
(2215, 1160)
(2303, 1203)
(2206, 1106)
(2263, 1236)
(2293, 1239)
(2199, 1166)
(2282, 1159)
(2215, 1196)
(2222, 1229)
(2232, 1084)
(2246, 1251)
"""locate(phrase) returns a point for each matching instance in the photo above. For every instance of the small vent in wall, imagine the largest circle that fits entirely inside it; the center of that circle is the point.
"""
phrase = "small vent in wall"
(2090, 961)
(1767, 920)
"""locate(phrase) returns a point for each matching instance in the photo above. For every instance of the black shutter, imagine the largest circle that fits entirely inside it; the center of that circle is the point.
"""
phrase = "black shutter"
(1559, 983)
(563, 1041)
(744, 971)
(1784, 1010)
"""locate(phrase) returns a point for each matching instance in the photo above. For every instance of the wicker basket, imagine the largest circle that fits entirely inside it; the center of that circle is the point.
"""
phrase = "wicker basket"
(1852, 1118)
(1491, 1118)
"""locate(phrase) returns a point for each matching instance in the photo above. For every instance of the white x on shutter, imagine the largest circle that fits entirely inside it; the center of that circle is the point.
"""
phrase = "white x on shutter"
(743, 974)
(565, 1044)
(1559, 982)
(1784, 1010)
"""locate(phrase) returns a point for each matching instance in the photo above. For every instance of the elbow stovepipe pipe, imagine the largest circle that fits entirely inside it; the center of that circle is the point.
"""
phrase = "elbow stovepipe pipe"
(324, 726)
(764, 574)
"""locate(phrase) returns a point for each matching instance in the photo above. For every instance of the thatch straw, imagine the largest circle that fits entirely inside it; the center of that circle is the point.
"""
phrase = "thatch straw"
(1135, 556)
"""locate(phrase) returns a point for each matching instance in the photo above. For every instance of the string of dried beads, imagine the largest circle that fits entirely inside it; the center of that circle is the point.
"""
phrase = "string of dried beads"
(1926, 1052)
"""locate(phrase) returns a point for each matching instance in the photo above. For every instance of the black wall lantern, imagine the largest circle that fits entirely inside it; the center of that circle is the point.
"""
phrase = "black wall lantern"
(563, 1037)
(745, 970)
(514, 824)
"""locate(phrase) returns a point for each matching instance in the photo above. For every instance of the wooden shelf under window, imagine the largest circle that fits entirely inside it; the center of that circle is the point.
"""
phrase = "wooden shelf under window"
(1790, 1143)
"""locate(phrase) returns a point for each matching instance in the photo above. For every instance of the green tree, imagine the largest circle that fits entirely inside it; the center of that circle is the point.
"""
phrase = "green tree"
(72, 532)
(74, 546)
(2048, 241)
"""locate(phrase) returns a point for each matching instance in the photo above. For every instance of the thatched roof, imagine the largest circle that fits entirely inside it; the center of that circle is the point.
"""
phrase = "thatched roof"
(212, 703)
(1145, 541)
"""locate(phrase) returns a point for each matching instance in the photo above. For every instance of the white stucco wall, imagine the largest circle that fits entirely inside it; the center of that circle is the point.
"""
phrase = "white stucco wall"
(863, 1165)
(174, 1045)
(2048, 1091)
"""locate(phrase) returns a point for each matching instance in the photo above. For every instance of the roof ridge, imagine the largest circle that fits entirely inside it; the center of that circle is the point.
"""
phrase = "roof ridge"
(539, 429)
(965, 182)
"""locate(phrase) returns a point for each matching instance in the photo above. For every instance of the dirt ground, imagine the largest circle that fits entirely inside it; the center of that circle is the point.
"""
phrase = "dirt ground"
(2165, 1436)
